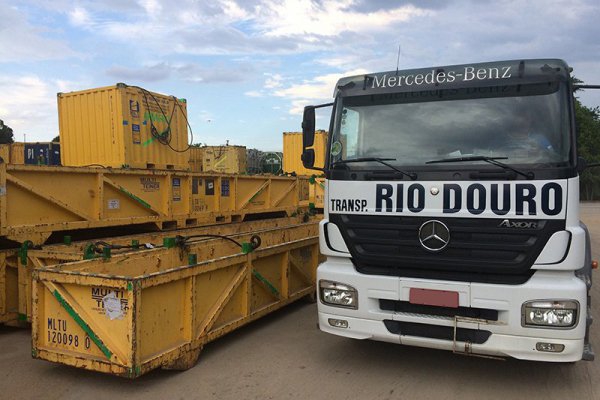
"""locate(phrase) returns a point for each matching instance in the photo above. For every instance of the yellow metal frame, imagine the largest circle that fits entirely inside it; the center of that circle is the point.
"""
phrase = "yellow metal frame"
(36, 201)
(167, 309)
(16, 277)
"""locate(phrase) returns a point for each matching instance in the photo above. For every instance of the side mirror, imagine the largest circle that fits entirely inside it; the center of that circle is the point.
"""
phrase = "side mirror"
(308, 158)
(308, 136)
(308, 127)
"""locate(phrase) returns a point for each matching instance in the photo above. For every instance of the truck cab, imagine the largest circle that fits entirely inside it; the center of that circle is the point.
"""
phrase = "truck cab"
(451, 214)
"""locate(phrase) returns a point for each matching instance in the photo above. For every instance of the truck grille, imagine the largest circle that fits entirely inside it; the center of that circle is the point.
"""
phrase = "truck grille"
(478, 251)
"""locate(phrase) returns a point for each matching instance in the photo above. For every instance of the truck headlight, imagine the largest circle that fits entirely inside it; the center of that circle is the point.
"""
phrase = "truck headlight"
(337, 294)
(550, 313)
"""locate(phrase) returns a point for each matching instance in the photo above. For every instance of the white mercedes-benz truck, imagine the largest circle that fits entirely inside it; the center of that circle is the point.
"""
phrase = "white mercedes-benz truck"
(451, 216)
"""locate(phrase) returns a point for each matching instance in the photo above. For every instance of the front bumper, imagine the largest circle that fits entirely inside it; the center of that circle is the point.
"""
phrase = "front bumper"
(508, 337)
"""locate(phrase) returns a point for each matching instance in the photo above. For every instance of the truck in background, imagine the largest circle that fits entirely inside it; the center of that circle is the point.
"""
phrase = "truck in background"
(452, 211)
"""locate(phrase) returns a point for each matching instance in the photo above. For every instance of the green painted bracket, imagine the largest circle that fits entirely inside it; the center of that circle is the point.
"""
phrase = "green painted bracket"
(192, 259)
(169, 242)
(106, 253)
(247, 248)
(23, 251)
(88, 252)
(86, 328)
(67, 240)
(135, 244)
(264, 280)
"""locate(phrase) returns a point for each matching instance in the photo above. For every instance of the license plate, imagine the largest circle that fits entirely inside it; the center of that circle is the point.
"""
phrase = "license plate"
(429, 297)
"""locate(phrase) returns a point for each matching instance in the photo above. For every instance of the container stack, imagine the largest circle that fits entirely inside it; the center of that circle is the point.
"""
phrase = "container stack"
(215, 248)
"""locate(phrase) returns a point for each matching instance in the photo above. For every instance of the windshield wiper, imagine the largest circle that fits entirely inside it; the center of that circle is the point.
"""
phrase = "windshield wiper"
(491, 160)
(411, 175)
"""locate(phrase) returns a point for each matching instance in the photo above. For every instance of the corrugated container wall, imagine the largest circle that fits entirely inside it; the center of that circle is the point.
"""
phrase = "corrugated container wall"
(17, 153)
(196, 154)
(225, 159)
(292, 151)
(5, 153)
(112, 127)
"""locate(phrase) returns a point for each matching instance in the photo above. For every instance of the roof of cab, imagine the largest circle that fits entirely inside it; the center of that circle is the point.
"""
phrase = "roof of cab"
(511, 72)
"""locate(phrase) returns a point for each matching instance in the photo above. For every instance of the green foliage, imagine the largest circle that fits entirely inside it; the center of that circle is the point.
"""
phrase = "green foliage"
(6, 133)
(56, 139)
(588, 147)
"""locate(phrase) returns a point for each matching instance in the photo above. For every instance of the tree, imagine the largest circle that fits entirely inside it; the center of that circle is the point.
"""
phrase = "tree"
(56, 139)
(6, 133)
(588, 147)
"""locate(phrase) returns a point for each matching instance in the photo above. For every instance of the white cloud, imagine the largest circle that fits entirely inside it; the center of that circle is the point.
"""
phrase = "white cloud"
(79, 17)
(253, 93)
(273, 81)
(328, 17)
(28, 106)
(319, 89)
(21, 41)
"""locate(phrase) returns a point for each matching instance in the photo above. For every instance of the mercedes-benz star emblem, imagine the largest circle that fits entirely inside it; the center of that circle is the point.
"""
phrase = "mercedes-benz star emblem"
(434, 235)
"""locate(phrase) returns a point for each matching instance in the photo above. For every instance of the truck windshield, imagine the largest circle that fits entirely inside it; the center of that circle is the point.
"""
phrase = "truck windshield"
(527, 124)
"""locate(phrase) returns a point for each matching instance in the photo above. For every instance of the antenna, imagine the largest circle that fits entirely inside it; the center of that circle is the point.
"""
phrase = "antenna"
(398, 60)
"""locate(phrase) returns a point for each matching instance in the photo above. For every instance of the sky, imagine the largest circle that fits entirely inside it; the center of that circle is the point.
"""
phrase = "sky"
(247, 68)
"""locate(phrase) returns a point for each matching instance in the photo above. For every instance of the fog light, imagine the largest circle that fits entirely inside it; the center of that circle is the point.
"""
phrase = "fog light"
(550, 313)
(338, 295)
(338, 323)
(549, 347)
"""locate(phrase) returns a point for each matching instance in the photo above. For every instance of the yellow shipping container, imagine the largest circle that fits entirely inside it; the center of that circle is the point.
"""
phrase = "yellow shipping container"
(17, 153)
(225, 159)
(158, 308)
(196, 154)
(123, 125)
(5, 152)
(292, 151)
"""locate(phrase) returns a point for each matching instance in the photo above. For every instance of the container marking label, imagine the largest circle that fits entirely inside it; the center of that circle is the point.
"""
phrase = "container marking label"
(59, 335)
(110, 302)
(225, 188)
(176, 189)
(114, 204)
(149, 184)
(210, 187)
(199, 205)
(136, 134)
(134, 107)
(112, 306)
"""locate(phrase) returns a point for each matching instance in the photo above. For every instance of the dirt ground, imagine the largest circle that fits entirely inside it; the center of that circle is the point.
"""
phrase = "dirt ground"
(284, 356)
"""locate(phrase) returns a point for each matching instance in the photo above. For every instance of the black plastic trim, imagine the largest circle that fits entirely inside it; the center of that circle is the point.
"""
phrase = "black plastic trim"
(476, 336)
(471, 312)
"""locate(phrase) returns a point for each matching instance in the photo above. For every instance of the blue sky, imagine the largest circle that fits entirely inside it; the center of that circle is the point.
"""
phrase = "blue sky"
(247, 68)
